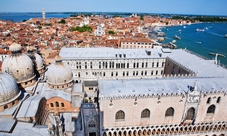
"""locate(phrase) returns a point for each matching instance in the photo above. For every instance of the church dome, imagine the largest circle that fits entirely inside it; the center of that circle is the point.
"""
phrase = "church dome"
(39, 61)
(59, 73)
(8, 88)
(19, 65)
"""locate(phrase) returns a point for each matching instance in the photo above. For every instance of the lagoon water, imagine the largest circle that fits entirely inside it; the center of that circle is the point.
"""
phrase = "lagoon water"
(211, 40)
(20, 16)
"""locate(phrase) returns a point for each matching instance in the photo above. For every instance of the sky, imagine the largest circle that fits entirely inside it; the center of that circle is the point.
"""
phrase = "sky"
(197, 7)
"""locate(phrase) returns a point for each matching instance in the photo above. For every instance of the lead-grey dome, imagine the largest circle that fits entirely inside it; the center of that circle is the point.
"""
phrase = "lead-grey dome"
(8, 88)
(19, 65)
(39, 61)
(59, 73)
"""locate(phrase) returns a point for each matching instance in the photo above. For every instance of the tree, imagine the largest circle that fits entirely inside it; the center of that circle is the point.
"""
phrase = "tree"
(141, 17)
(111, 32)
(40, 27)
(24, 20)
(81, 29)
(116, 16)
(62, 21)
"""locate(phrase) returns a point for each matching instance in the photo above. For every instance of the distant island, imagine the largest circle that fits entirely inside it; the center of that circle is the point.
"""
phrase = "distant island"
(202, 18)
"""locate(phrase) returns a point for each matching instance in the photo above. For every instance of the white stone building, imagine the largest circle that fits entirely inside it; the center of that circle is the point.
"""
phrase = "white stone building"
(109, 63)
(138, 43)
(174, 92)
(99, 31)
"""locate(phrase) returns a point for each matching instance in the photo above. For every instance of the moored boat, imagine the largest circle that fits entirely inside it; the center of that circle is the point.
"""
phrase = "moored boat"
(177, 37)
(200, 30)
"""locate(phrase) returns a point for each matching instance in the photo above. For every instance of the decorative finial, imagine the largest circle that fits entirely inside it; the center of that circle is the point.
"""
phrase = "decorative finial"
(195, 86)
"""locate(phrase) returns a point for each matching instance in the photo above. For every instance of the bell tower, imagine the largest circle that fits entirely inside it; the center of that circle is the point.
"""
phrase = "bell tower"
(44, 14)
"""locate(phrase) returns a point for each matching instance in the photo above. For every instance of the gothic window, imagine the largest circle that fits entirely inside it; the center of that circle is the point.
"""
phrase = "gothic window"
(208, 100)
(169, 112)
(211, 109)
(120, 115)
(91, 124)
(145, 113)
(219, 99)
(190, 114)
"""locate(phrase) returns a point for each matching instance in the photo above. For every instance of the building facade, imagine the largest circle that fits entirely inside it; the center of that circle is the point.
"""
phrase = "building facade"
(109, 63)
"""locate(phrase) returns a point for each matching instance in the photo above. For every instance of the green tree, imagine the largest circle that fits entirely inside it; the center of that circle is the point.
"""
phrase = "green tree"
(111, 32)
(141, 17)
(24, 20)
(40, 27)
(81, 29)
(62, 21)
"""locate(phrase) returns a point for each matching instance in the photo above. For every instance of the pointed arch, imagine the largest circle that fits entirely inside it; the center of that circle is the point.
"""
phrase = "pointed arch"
(208, 100)
(211, 109)
(120, 115)
(145, 113)
(190, 114)
(169, 112)
(219, 99)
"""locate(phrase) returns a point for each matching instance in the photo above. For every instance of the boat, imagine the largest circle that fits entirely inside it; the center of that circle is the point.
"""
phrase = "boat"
(184, 26)
(226, 36)
(174, 41)
(199, 42)
(200, 30)
(177, 37)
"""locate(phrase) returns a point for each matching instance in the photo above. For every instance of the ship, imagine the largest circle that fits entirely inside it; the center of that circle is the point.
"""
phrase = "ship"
(200, 30)
(226, 36)
(177, 37)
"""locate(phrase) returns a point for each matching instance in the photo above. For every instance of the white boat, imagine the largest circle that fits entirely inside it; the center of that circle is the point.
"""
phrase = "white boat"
(177, 37)
(174, 41)
(184, 26)
(200, 30)
(226, 36)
